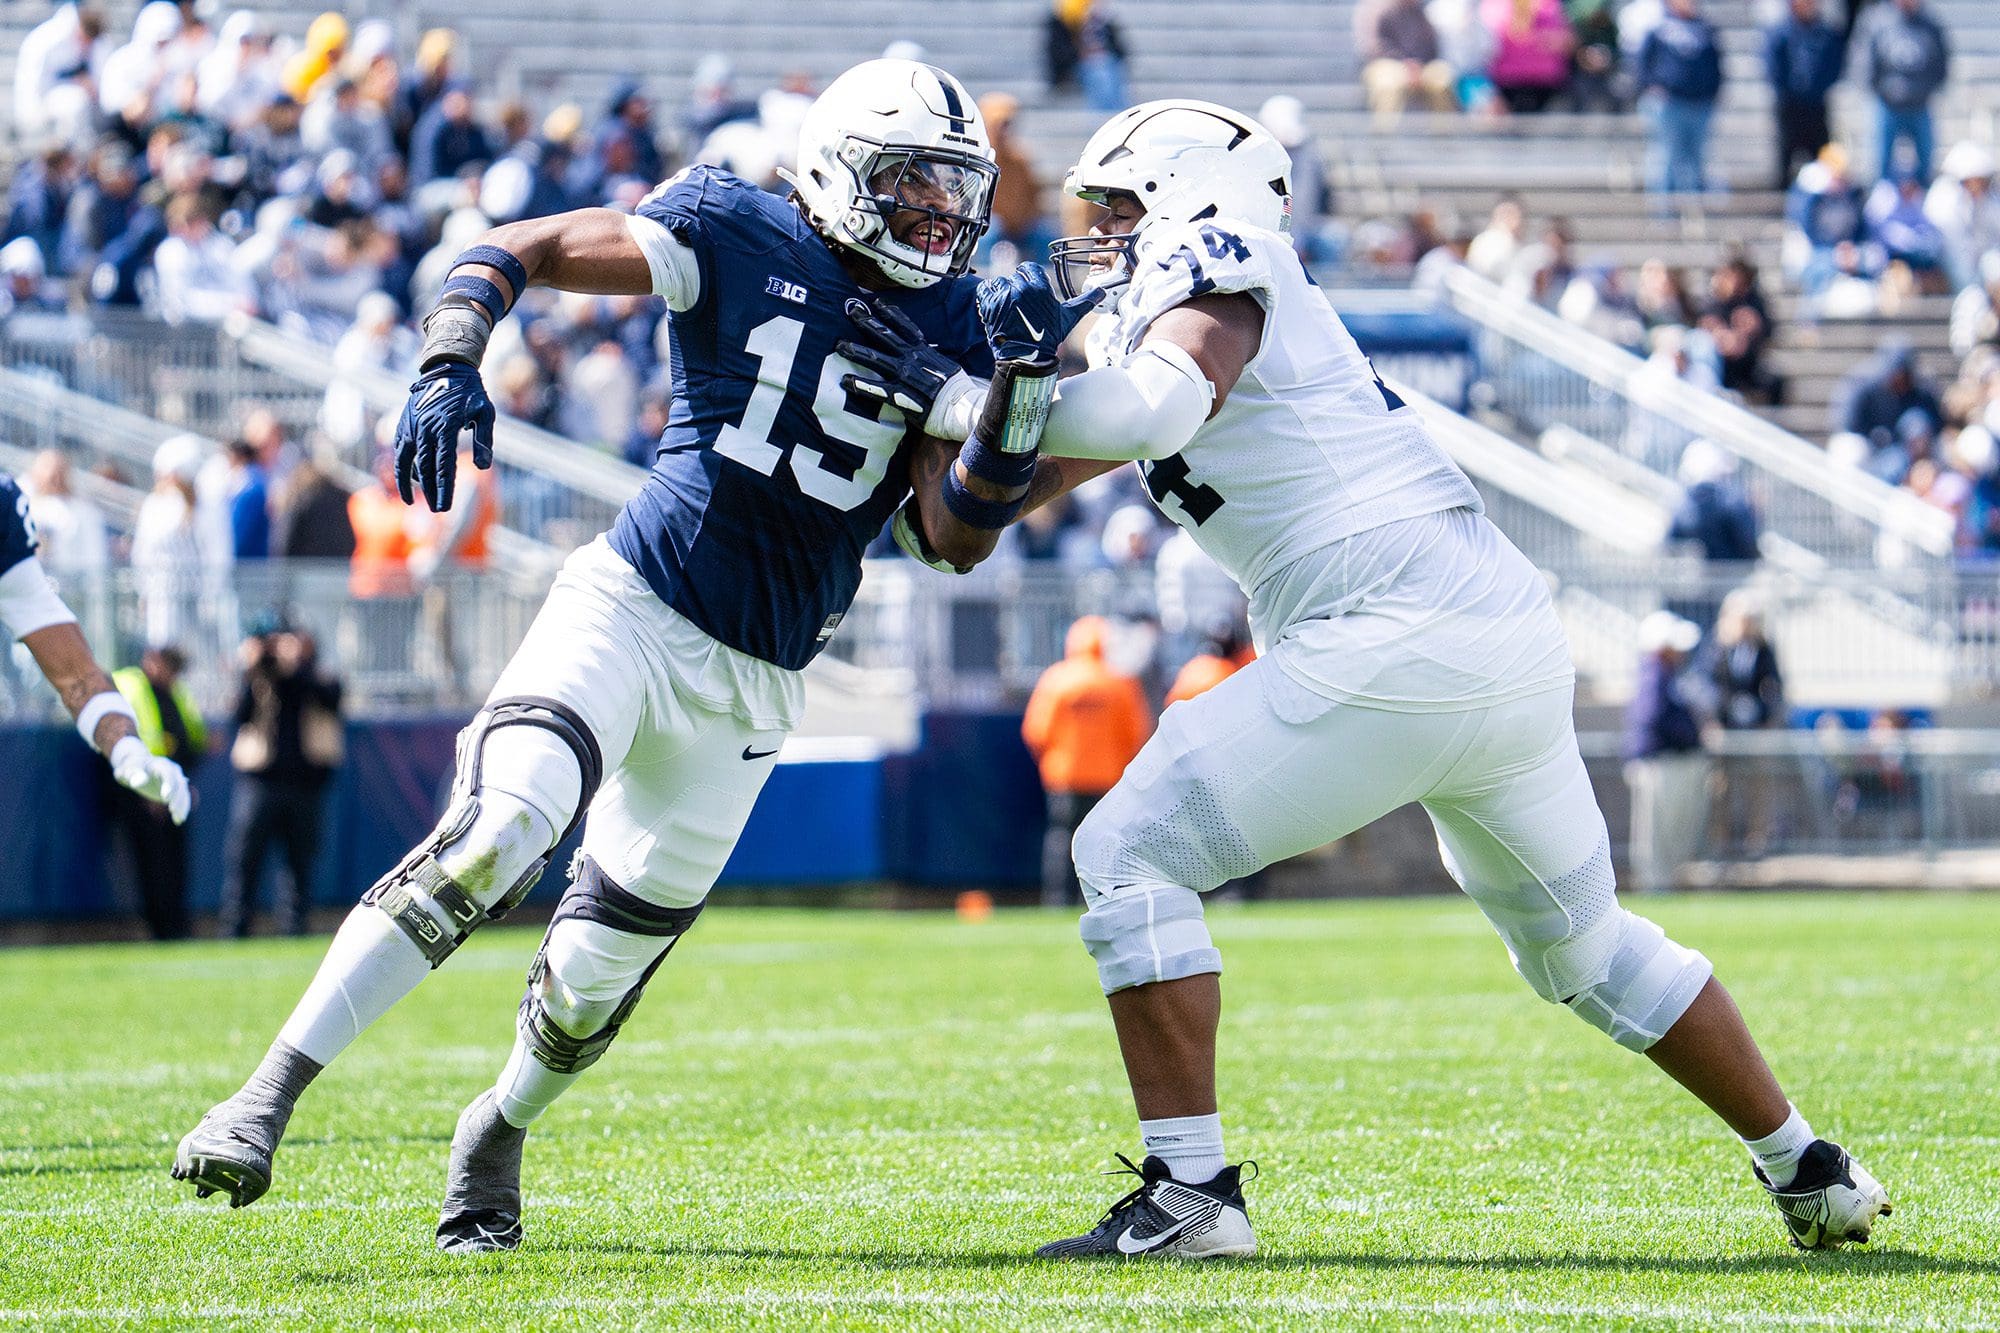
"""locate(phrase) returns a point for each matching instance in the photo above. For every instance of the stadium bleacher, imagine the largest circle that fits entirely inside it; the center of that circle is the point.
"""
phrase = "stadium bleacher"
(1920, 644)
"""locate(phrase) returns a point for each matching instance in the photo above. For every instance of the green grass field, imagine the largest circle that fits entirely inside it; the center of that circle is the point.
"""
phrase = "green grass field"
(869, 1120)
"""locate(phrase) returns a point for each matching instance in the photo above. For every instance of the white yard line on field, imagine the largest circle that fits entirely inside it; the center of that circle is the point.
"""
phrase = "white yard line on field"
(1014, 1303)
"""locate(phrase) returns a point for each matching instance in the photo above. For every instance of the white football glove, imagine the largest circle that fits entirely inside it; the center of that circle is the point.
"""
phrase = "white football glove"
(154, 777)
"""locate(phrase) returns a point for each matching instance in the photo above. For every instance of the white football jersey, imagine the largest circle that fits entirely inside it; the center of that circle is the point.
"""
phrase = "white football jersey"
(1309, 452)
(1309, 447)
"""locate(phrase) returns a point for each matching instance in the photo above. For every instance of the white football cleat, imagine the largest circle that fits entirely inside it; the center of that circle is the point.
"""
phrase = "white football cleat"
(1831, 1201)
(1167, 1218)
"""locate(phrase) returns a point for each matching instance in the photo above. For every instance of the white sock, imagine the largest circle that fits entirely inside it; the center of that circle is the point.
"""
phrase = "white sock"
(370, 965)
(1777, 1153)
(1190, 1145)
(527, 1087)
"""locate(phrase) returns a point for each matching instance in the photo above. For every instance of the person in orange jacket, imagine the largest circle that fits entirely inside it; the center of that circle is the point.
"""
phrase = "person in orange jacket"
(1222, 655)
(1083, 725)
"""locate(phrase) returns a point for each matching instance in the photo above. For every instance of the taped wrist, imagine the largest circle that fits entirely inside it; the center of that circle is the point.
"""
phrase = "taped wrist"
(976, 511)
(98, 707)
(955, 410)
(469, 305)
(456, 331)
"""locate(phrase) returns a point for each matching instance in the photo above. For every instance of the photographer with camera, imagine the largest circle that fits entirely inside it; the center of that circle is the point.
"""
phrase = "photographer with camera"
(288, 744)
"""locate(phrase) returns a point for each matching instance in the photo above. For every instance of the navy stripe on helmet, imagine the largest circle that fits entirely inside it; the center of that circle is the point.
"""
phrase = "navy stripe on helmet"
(954, 108)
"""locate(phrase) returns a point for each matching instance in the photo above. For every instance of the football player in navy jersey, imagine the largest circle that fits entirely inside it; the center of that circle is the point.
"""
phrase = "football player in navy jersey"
(662, 675)
(31, 611)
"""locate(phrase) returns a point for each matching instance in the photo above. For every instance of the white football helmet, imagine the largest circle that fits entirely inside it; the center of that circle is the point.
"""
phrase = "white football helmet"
(890, 136)
(1183, 160)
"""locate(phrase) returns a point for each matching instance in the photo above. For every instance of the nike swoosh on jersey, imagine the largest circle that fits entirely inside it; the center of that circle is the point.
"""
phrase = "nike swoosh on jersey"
(1152, 1242)
(749, 753)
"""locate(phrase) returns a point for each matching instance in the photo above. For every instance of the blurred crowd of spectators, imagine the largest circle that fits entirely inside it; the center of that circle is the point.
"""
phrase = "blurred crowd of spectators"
(1664, 58)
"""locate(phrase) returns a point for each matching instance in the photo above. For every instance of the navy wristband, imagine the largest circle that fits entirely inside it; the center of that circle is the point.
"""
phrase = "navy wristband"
(975, 511)
(483, 291)
(1000, 468)
(493, 256)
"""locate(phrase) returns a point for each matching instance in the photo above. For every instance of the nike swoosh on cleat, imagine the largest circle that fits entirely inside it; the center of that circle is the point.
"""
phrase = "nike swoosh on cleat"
(749, 753)
(1152, 1242)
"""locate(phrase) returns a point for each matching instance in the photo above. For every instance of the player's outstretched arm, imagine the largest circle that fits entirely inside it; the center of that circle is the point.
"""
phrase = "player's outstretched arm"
(1151, 404)
(104, 717)
(593, 250)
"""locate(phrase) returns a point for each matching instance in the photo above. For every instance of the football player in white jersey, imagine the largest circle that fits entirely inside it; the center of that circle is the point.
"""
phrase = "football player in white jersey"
(1409, 653)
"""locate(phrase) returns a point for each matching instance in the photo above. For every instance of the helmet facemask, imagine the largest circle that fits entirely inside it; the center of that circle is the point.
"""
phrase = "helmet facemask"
(1093, 262)
(953, 191)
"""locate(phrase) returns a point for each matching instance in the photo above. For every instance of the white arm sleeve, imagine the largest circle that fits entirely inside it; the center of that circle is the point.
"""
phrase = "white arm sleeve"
(28, 600)
(1149, 406)
(676, 275)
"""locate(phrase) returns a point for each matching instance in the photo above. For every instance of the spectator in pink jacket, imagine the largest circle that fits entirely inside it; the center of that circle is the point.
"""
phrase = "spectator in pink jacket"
(1532, 45)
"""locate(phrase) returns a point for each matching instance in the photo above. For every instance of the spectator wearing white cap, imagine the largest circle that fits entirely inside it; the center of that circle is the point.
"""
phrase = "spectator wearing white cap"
(1963, 207)
(1665, 768)
(24, 282)
(52, 49)
(167, 546)
(136, 70)
(237, 79)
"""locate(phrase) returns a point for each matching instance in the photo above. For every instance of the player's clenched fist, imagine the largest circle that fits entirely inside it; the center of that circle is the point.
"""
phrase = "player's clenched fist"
(1024, 318)
(445, 400)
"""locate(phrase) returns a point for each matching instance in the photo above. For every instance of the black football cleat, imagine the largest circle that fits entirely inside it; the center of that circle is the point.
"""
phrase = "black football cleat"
(1168, 1218)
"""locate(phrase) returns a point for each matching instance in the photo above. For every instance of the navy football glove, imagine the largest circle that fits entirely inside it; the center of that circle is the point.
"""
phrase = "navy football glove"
(906, 372)
(444, 401)
(1025, 320)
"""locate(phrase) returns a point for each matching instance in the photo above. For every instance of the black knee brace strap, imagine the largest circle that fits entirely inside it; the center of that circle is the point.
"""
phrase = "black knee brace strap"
(527, 710)
(595, 896)
(420, 871)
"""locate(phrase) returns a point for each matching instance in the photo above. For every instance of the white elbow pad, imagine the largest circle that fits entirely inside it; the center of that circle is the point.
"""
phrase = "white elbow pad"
(1149, 406)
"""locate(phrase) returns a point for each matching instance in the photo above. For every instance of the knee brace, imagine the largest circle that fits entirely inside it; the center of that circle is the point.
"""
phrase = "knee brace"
(1576, 946)
(1143, 935)
(593, 897)
(1644, 985)
(432, 907)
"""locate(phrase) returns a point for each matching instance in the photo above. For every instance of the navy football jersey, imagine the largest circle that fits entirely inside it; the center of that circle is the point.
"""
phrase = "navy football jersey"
(17, 530)
(771, 479)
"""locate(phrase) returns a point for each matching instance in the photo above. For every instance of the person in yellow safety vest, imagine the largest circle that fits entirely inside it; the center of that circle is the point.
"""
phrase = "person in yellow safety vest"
(170, 725)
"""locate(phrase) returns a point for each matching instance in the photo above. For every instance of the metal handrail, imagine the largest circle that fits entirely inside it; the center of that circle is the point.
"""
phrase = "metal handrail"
(1734, 429)
(585, 471)
(1619, 519)
(115, 430)
(132, 438)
